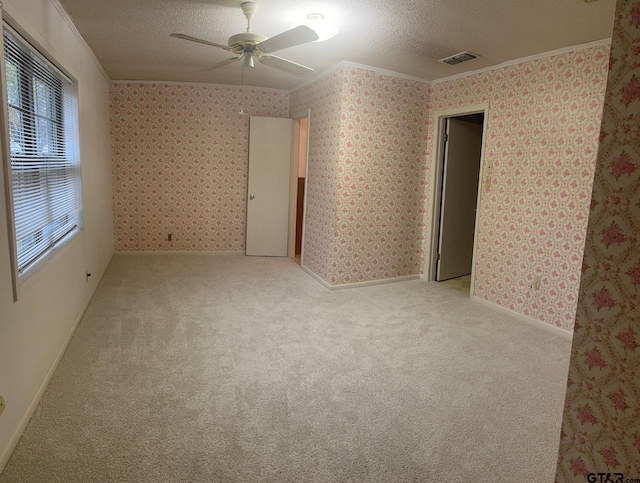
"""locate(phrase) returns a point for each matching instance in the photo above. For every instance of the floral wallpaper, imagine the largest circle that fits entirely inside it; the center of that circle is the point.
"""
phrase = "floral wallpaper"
(180, 167)
(180, 164)
(381, 177)
(540, 152)
(180, 154)
(601, 426)
(366, 175)
(324, 98)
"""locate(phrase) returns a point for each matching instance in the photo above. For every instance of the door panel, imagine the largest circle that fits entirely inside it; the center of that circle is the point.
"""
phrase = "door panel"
(268, 187)
(459, 198)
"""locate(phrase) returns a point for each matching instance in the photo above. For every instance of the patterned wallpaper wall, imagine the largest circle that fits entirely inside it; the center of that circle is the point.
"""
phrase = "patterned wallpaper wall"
(382, 169)
(180, 154)
(601, 427)
(541, 143)
(180, 167)
(366, 175)
(324, 98)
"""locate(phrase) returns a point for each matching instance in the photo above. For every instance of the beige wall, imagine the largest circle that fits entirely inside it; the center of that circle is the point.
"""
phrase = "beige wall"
(34, 330)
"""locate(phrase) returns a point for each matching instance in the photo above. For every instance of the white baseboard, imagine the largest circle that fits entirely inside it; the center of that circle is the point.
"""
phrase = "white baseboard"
(15, 438)
(370, 283)
(526, 319)
(317, 278)
(152, 252)
(344, 286)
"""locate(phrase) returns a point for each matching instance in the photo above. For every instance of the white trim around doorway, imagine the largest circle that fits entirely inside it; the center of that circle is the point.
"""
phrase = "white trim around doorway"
(437, 162)
(305, 113)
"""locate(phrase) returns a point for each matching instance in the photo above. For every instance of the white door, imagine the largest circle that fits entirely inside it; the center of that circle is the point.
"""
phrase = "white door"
(268, 193)
(459, 198)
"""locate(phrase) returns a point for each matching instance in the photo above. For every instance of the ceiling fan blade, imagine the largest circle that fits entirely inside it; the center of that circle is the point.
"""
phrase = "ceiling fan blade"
(284, 64)
(223, 63)
(296, 36)
(200, 41)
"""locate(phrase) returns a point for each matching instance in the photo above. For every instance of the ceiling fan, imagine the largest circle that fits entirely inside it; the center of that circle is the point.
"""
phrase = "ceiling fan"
(248, 46)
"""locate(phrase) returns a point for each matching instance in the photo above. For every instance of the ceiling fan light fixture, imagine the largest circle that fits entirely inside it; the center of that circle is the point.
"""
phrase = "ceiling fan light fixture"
(248, 45)
(324, 29)
(247, 61)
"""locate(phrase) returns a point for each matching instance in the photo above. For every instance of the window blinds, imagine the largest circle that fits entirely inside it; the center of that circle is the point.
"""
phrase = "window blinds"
(42, 134)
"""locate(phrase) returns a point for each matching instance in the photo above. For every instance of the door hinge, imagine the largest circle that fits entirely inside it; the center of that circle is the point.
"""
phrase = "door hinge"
(446, 138)
(438, 257)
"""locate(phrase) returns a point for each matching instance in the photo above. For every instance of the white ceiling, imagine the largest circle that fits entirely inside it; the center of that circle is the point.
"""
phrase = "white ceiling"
(131, 37)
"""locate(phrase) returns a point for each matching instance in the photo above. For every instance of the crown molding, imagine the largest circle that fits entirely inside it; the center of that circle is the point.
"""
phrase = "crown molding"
(523, 60)
(388, 73)
(207, 84)
(67, 19)
(317, 77)
(347, 64)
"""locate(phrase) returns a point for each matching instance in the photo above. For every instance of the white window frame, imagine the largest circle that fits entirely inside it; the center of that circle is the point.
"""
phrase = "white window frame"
(71, 142)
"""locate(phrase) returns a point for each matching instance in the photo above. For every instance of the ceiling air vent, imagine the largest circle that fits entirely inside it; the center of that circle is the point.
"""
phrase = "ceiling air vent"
(459, 58)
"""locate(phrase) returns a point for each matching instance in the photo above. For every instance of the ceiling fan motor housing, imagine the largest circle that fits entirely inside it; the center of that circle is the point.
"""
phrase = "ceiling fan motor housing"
(249, 44)
(246, 38)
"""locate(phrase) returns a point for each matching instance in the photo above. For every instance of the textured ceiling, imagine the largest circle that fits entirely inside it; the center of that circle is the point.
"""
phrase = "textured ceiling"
(131, 37)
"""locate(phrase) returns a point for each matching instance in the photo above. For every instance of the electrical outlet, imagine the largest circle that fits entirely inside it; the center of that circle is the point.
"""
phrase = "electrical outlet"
(537, 280)
(1, 404)
(169, 236)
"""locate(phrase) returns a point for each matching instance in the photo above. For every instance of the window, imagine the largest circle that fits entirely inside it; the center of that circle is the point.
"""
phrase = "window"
(42, 133)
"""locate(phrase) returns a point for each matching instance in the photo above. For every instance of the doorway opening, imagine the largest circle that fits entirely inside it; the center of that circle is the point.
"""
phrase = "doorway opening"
(298, 186)
(456, 197)
(303, 125)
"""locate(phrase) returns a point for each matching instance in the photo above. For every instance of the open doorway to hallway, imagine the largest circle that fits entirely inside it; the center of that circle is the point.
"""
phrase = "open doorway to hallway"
(302, 169)
(456, 187)
(298, 186)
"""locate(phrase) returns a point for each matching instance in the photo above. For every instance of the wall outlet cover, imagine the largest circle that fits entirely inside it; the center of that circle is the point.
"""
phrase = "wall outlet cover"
(537, 280)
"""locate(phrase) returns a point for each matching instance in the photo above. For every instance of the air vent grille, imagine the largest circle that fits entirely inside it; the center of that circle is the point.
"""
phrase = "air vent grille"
(459, 58)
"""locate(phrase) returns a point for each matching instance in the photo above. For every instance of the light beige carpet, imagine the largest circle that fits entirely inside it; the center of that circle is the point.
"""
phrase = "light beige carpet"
(203, 368)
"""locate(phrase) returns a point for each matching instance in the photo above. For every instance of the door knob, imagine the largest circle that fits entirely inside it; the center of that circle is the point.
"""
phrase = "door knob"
(251, 197)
